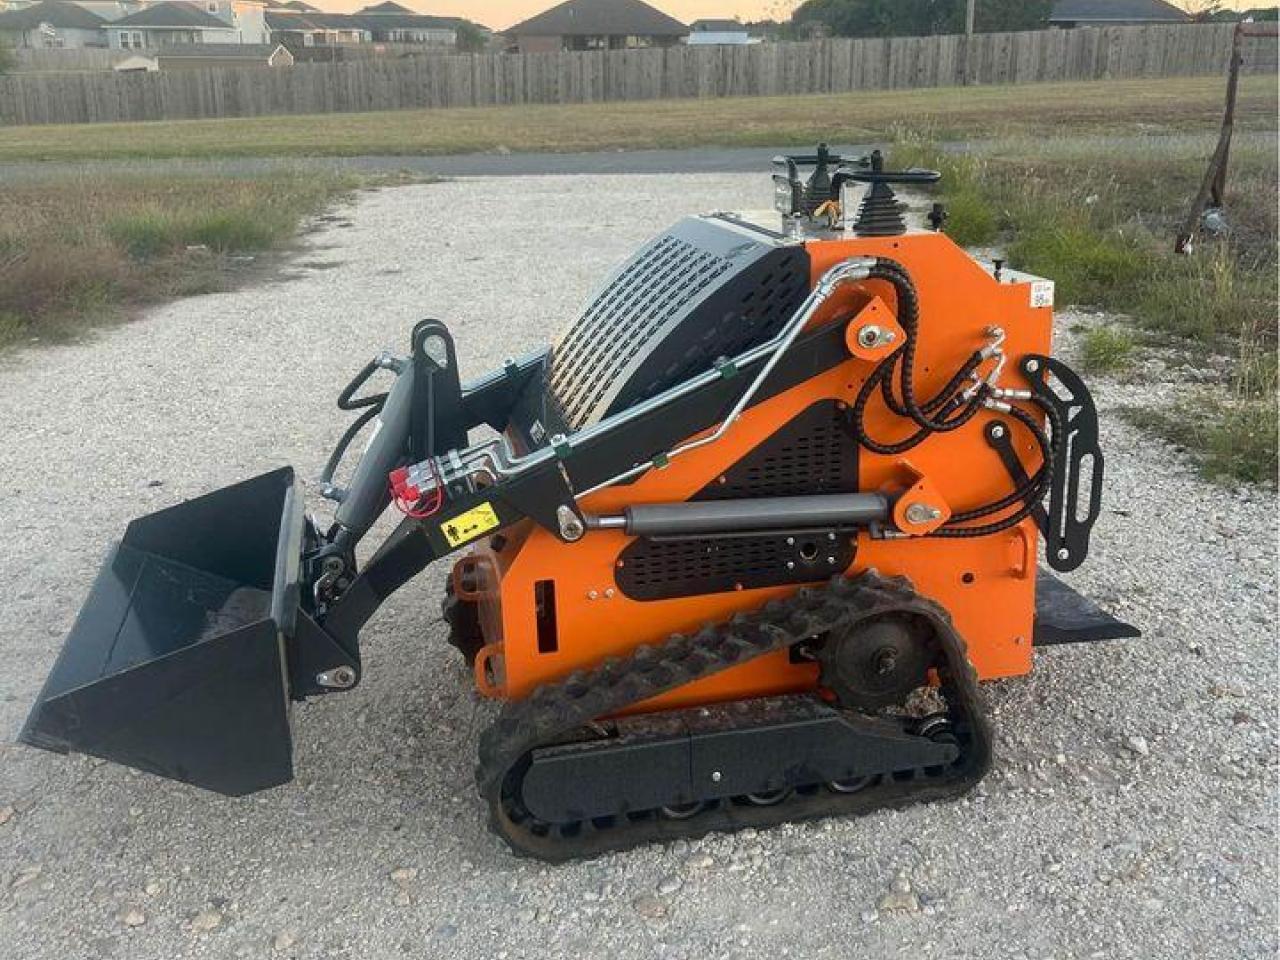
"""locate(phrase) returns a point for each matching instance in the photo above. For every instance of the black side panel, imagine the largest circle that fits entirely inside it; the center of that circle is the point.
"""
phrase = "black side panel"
(708, 287)
(1064, 616)
(812, 453)
(662, 569)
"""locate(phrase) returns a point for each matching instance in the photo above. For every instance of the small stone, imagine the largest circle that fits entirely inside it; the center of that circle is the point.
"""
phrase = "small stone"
(702, 861)
(403, 899)
(896, 902)
(900, 898)
(24, 876)
(870, 916)
(669, 884)
(284, 940)
(527, 915)
(152, 888)
(649, 907)
(6, 814)
(680, 848)
(1139, 746)
(1060, 759)
(133, 918)
(206, 921)
(404, 874)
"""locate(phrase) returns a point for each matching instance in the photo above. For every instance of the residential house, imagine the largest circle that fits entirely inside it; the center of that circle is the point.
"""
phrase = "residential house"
(299, 25)
(1113, 13)
(164, 24)
(205, 56)
(298, 29)
(389, 22)
(596, 25)
(51, 24)
(713, 33)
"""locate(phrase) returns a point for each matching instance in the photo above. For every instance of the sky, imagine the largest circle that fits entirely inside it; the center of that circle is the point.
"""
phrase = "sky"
(500, 14)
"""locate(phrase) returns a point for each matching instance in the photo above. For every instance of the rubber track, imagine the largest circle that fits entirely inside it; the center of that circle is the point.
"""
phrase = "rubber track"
(555, 710)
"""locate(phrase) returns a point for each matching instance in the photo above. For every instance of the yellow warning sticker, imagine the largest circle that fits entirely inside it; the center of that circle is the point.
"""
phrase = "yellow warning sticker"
(467, 526)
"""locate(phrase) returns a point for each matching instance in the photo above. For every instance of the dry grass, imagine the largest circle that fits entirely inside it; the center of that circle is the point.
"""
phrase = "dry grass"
(1101, 224)
(1113, 107)
(81, 250)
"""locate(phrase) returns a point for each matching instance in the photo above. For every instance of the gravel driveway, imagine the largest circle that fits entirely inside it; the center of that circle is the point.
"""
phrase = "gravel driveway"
(1131, 813)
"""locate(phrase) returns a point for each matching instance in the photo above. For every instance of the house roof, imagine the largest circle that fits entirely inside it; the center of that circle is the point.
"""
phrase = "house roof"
(717, 26)
(212, 51)
(56, 13)
(1153, 11)
(600, 18)
(289, 20)
(314, 22)
(299, 6)
(172, 13)
(388, 8)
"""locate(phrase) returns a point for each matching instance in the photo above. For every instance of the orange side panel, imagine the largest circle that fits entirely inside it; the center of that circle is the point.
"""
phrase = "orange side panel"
(986, 583)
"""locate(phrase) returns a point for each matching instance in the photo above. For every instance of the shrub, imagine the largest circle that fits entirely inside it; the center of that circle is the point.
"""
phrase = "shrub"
(1106, 349)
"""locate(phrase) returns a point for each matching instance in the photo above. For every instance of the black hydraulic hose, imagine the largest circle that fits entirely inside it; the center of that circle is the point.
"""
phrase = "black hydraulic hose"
(928, 421)
(1036, 484)
(340, 449)
(345, 401)
(908, 318)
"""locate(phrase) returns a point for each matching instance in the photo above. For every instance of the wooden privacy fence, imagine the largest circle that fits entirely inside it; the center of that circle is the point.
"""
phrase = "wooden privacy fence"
(826, 66)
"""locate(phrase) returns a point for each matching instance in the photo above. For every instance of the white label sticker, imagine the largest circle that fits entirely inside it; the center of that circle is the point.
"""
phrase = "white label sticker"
(1041, 293)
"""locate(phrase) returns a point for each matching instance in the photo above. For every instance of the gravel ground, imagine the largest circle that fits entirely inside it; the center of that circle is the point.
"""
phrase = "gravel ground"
(1132, 810)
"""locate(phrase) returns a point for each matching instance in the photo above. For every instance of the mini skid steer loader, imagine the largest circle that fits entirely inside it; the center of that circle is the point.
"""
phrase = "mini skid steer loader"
(749, 535)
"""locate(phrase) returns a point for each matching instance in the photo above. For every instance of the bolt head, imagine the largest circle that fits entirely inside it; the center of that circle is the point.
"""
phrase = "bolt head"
(997, 431)
(922, 513)
(870, 335)
(716, 776)
(593, 594)
(1063, 553)
(1033, 365)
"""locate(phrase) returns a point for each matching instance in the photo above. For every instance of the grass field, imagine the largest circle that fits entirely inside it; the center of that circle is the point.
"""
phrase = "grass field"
(1101, 223)
(1081, 109)
(77, 251)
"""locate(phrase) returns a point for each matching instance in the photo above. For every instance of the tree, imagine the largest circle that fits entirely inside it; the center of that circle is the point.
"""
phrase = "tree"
(470, 38)
(905, 18)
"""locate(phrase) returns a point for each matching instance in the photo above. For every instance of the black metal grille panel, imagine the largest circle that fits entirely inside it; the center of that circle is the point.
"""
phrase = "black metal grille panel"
(662, 569)
(704, 289)
(814, 453)
(624, 317)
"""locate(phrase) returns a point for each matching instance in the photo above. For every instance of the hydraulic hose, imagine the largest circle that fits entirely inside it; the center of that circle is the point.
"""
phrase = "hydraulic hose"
(947, 410)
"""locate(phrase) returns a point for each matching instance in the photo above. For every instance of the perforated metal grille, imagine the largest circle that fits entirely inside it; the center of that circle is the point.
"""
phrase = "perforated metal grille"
(707, 288)
(651, 290)
(760, 312)
(813, 453)
(660, 569)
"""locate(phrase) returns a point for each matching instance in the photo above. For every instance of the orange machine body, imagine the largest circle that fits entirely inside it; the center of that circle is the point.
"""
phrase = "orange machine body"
(986, 583)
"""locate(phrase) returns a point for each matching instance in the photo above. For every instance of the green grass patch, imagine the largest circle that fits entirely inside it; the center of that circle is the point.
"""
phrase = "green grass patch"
(1106, 350)
(1230, 440)
(1112, 107)
(77, 251)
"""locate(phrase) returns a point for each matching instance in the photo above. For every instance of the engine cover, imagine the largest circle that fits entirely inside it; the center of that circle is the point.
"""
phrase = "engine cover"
(710, 286)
